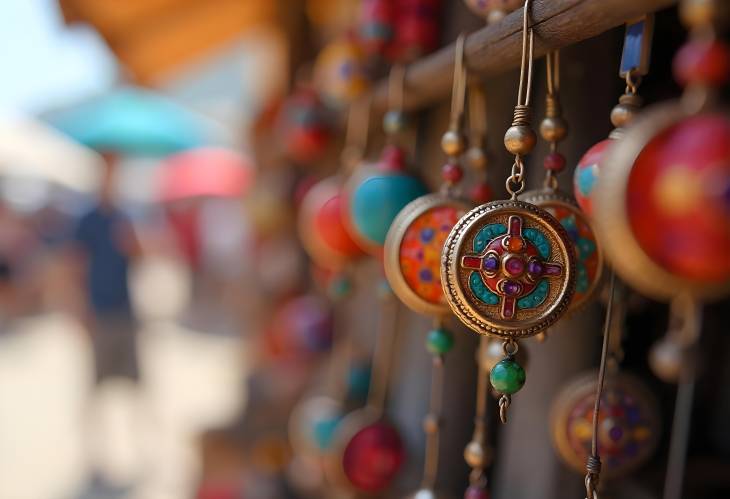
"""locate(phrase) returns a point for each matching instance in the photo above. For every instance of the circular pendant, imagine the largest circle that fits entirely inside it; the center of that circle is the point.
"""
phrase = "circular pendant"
(508, 269)
(663, 204)
(589, 258)
(628, 427)
(322, 228)
(368, 452)
(374, 198)
(412, 254)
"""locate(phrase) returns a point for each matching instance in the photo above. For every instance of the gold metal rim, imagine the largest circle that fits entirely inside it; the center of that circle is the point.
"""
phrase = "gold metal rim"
(457, 296)
(541, 197)
(391, 255)
(612, 222)
(585, 385)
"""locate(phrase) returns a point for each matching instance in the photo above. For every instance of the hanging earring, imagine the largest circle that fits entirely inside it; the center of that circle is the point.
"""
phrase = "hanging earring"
(412, 261)
(508, 267)
(375, 196)
(628, 423)
(554, 129)
(668, 182)
(634, 65)
(367, 450)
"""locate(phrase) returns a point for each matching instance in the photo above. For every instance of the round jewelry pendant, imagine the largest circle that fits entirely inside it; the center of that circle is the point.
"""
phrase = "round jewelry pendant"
(589, 258)
(628, 427)
(662, 210)
(508, 269)
(412, 255)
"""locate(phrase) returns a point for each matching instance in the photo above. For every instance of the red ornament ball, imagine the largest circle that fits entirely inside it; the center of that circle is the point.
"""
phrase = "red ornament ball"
(586, 175)
(373, 457)
(304, 126)
(678, 198)
(322, 226)
(703, 62)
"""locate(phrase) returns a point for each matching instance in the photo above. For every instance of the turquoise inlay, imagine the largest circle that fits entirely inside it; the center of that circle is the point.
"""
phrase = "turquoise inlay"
(323, 431)
(378, 200)
(538, 239)
(486, 234)
(569, 223)
(581, 281)
(585, 248)
(481, 291)
(537, 296)
(587, 179)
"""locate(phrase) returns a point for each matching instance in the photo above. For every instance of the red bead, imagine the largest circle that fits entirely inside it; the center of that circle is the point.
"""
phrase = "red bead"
(476, 492)
(678, 199)
(452, 173)
(704, 62)
(554, 162)
(481, 193)
(373, 457)
(392, 159)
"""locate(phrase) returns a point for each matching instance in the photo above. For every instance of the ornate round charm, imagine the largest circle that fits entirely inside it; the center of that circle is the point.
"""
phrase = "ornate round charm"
(374, 198)
(628, 427)
(413, 247)
(321, 226)
(508, 269)
(663, 209)
(589, 258)
(586, 173)
(340, 71)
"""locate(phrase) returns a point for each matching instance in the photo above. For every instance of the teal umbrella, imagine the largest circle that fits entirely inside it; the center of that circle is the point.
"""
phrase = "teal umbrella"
(134, 121)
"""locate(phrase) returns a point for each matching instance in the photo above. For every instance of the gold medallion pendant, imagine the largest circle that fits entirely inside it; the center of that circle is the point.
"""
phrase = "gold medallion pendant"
(413, 251)
(508, 269)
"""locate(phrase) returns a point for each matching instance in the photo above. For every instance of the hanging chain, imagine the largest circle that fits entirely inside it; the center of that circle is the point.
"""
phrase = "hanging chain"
(432, 423)
(383, 354)
(476, 454)
(553, 127)
(458, 91)
(520, 139)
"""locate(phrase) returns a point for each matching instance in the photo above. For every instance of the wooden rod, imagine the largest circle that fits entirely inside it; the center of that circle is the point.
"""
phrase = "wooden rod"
(497, 48)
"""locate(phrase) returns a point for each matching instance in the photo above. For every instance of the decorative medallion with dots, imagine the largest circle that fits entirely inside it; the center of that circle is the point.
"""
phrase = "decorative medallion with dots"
(508, 269)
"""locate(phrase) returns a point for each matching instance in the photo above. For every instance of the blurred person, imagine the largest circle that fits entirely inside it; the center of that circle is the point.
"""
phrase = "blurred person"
(106, 246)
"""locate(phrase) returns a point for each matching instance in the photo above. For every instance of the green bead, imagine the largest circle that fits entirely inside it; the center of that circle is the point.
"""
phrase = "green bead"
(440, 341)
(507, 376)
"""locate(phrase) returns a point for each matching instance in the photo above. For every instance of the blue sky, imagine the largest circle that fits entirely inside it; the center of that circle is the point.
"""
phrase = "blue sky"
(43, 63)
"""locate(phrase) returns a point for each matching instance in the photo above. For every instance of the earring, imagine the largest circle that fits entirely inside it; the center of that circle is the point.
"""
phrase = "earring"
(508, 267)
(412, 259)
(628, 424)
(554, 129)
(375, 195)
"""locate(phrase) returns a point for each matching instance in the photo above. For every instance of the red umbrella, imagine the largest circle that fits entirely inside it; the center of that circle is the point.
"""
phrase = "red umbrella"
(205, 172)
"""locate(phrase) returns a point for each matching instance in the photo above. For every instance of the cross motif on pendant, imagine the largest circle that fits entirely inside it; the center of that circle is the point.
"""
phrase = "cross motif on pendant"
(511, 266)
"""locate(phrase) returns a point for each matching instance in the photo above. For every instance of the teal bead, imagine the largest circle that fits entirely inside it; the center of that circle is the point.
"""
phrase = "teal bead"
(378, 200)
(439, 341)
(507, 376)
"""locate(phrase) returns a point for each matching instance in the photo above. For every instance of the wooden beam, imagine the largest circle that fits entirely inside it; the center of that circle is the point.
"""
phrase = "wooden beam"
(497, 48)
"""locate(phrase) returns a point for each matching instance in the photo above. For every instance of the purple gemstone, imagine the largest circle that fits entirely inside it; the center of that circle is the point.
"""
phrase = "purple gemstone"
(425, 275)
(427, 234)
(490, 263)
(515, 266)
(615, 433)
(511, 288)
(534, 267)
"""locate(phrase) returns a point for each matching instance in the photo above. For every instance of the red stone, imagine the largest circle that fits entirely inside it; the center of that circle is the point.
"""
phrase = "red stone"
(452, 173)
(677, 199)
(554, 162)
(476, 492)
(328, 224)
(392, 159)
(704, 62)
(481, 193)
(373, 457)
